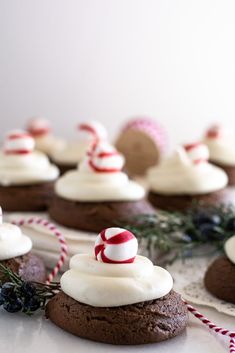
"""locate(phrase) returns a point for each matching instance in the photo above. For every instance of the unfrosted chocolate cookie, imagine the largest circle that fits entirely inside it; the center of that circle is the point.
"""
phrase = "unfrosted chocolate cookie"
(26, 198)
(220, 279)
(29, 267)
(94, 216)
(146, 322)
(183, 202)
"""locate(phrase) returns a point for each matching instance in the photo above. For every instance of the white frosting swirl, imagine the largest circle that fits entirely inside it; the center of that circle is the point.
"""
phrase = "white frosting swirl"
(178, 175)
(84, 184)
(12, 242)
(229, 248)
(222, 149)
(48, 143)
(31, 168)
(72, 153)
(108, 285)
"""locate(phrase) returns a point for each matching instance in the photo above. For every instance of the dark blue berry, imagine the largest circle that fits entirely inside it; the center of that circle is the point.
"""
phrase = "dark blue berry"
(209, 231)
(13, 306)
(28, 289)
(32, 304)
(2, 300)
(204, 217)
(8, 291)
(231, 224)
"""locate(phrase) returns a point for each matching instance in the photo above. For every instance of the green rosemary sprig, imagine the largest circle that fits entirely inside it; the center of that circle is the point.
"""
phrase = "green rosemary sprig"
(19, 295)
(168, 236)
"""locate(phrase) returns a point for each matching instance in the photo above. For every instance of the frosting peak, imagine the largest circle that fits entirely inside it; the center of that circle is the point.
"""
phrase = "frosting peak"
(20, 165)
(12, 242)
(221, 145)
(106, 284)
(229, 248)
(98, 178)
(186, 173)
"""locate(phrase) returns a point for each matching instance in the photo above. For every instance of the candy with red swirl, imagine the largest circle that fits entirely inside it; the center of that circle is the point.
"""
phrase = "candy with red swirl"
(116, 246)
(104, 158)
(197, 152)
(18, 142)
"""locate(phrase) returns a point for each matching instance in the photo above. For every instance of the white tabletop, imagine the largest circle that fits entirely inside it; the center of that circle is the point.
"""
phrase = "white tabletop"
(22, 334)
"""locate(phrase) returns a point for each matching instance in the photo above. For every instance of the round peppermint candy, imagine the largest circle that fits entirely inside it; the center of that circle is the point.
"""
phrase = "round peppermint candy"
(38, 126)
(197, 152)
(116, 246)
(18, 142)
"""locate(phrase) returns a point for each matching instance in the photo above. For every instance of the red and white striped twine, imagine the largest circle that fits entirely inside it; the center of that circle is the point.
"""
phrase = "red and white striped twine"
(55, 231)
(213, 327)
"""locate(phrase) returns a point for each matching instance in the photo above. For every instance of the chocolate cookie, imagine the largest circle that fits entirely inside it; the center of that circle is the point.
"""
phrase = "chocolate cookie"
(219, 279)
(146, 322)
(183, 202)
(229, 170)
(29, 267)
(95, 216)
(26, 198)
(63, 168)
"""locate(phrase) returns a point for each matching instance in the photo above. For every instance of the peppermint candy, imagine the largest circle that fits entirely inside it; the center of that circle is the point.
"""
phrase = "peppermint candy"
(18, 142)
(197, 152)
(116, 246)
(104, 158)
(38, 126)
(93, 130)
(215, 131)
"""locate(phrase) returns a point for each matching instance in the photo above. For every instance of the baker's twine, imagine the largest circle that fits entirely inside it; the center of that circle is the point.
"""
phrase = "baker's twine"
(217, 329)
(55, 231)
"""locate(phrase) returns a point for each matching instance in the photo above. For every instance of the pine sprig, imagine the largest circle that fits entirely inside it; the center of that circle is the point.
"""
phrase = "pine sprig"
(19, 295)
(169, 236)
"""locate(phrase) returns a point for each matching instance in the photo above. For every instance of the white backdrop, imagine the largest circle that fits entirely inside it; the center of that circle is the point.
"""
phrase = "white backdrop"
(69, 60)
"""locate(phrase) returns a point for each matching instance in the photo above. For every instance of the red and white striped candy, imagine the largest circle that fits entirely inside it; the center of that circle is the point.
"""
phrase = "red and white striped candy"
(197, 152)
(116, 246)
(18, 142)
(104, 158)
(94, 130)
(215, 131)
(38, 126)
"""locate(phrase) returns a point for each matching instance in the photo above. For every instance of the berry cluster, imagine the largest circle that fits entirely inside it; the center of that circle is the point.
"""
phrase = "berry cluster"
(200, 230)
(14, 297)
(207, 225)
(19, 295)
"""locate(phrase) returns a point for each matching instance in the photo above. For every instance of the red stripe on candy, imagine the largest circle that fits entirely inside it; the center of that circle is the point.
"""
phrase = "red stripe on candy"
(17, 151)
(18, 136)
(86, 127)
(120, 238)
(102, 170)
(107, 260)
(38, 132)
(191, 146)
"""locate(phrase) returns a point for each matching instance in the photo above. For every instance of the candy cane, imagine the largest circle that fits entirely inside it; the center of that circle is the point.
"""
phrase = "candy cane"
(54, 230)
(213, 327)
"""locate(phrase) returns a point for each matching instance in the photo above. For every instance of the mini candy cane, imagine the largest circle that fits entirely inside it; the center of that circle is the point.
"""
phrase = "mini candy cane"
(54, 230)
(213, 327)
